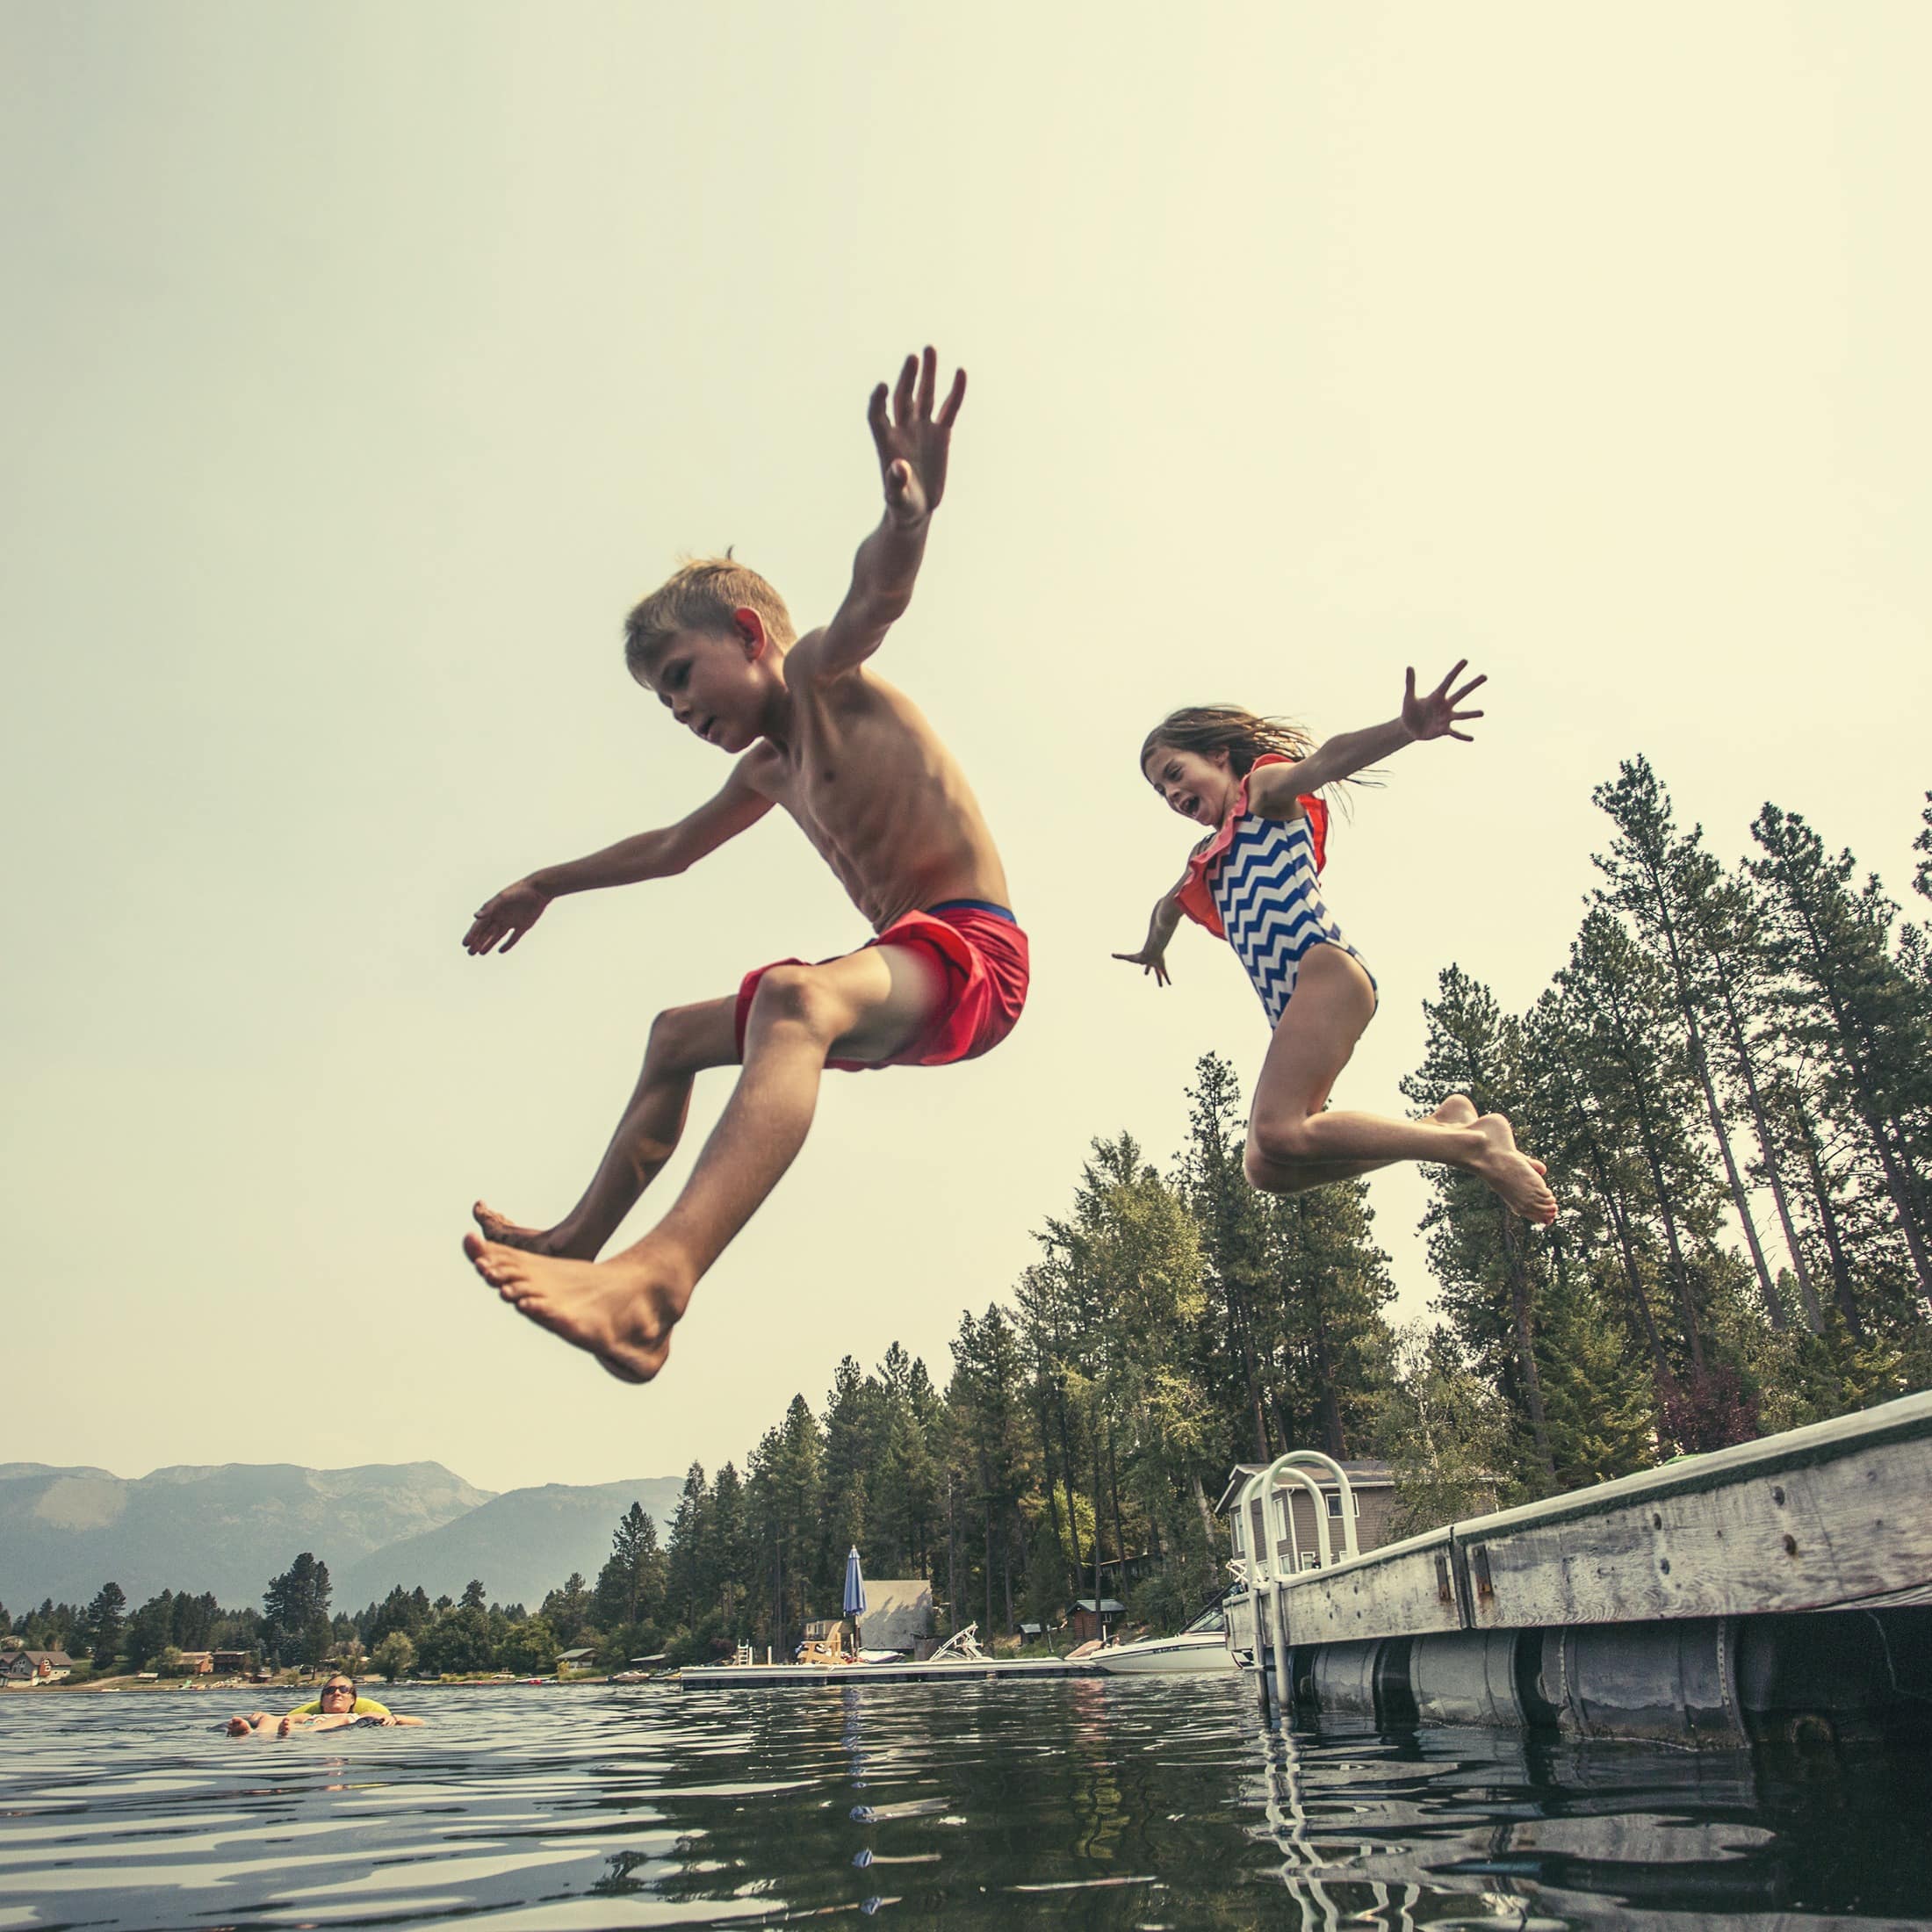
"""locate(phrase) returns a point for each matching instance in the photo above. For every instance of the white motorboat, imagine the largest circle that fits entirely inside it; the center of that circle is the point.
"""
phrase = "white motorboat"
(1202, 1647)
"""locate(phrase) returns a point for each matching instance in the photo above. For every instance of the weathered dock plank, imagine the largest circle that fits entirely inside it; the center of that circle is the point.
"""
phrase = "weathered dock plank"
(1814, 1519)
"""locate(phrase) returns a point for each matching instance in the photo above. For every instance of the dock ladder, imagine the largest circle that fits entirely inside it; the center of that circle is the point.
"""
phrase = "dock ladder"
(1263, 1522)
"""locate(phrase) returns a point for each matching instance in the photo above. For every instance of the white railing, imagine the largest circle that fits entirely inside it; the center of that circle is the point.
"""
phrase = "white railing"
(1274, 1489)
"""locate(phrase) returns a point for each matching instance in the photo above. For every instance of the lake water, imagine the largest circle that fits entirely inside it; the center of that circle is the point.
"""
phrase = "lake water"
(1078, 1803)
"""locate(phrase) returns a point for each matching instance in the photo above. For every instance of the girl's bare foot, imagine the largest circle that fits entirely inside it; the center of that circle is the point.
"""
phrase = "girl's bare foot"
(1459, 1110)
(622, 1312)
(1515, 1176)
(512, 1234)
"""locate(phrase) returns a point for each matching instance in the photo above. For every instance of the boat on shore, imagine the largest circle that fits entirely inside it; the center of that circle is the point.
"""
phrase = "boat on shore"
(1201, 1647)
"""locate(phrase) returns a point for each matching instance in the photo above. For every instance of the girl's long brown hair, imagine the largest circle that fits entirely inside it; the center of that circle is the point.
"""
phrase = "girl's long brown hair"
(1243, 735)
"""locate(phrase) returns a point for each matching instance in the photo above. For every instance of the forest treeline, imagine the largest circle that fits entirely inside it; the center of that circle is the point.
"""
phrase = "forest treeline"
(1729, 1080)
(617, 1618)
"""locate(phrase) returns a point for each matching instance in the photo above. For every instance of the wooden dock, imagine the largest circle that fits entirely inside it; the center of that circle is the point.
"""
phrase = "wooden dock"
(1649, 1593)
(756, 1677)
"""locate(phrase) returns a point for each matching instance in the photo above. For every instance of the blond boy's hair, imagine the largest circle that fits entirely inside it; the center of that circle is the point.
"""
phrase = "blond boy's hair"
(702, 595)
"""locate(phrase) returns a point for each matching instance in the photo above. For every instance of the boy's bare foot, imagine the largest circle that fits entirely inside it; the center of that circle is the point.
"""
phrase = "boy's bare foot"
(1459, 1110)
(1513, 1175)
(512, 1234)
(620, 1311)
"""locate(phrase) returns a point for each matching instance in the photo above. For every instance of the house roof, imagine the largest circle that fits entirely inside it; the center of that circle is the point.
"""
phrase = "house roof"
(1368, 1473)
(898, 1610)
(571, 1656)
(57, 1660)
(1108, 1607)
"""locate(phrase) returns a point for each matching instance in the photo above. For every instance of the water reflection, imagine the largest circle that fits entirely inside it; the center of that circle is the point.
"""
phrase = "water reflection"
(1082, 1803)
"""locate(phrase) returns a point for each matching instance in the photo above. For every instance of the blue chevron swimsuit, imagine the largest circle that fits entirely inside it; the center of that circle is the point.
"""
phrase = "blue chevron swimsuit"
(1257, 883)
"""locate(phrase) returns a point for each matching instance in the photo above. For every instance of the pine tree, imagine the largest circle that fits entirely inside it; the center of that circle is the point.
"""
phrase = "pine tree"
(629, 1588)
(567, 1610)
(296, 1607)
(688, 1592)
(1233, 1223)
(1849, 1005)
(1614, 1002)
(107, 1622)
(1478, 1250)
(1664, 881)
(851, 1431)
(1445, 1433)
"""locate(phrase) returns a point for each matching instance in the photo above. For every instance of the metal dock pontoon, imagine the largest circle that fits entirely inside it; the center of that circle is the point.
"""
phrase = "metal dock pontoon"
(1781, 1588)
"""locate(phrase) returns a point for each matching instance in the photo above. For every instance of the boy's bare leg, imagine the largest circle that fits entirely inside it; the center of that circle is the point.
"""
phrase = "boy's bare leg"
(684, 1042)
(866, 1006)
(1293, 1145)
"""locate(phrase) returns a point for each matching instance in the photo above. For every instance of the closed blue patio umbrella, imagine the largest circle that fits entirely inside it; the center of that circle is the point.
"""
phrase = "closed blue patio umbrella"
(855, 1595)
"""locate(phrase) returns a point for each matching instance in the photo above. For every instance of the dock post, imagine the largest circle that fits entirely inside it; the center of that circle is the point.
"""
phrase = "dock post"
(1260, 1580)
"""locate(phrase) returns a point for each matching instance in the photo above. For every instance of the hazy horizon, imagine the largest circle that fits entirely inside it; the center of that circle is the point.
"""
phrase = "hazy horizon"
(365, 364)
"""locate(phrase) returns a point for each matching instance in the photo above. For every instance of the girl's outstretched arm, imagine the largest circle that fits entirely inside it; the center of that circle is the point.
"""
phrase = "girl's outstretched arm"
(1272, 789)
(1152, 957)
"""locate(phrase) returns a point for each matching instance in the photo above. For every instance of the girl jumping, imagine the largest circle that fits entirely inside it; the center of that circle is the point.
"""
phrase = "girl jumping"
(1256, 880)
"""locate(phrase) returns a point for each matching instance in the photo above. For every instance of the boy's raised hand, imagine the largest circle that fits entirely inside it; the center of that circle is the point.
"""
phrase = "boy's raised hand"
(912, 441)
(507, 916)
(1435, 716)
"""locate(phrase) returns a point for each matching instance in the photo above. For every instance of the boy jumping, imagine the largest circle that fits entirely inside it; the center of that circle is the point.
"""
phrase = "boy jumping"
(874, 789)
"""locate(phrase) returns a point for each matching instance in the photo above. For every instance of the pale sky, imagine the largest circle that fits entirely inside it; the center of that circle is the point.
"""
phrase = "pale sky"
(364, 362)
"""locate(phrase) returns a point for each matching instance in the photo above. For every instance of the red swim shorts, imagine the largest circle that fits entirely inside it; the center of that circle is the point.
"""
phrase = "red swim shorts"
(984, 955)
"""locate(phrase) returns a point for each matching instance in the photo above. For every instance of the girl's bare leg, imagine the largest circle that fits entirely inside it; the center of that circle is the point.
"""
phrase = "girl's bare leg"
(867, 1006)
(684, 1042)
(1293, 1145)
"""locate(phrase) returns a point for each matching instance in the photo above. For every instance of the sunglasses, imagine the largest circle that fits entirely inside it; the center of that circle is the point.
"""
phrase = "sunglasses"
(338, 1690)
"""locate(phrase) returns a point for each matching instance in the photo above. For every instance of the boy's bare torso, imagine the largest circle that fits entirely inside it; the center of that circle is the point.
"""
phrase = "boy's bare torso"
(877, 793)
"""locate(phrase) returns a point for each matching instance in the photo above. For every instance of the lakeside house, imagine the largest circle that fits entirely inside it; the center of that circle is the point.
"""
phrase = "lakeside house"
(1374, 1484)
(34, 1666)
(580, 1659)
(1093, 1618)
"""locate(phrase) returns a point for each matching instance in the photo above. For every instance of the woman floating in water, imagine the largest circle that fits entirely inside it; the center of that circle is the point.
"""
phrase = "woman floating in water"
(1255, 881)
(337, 1707)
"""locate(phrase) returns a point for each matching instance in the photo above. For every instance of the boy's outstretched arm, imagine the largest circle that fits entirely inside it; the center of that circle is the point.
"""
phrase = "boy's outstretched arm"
(913, 443)
(736, 806)
(1272, 789)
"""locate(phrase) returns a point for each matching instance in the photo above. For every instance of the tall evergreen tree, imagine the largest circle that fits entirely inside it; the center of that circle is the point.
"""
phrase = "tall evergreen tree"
(1851, 1005)
(630, 1587)
(296, 1604)
(1480, 1252)
(688, 1578)
(107, 1623)
(1664, 881)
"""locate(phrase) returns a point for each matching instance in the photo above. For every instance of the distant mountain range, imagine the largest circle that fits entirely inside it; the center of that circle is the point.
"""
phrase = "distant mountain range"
(228, 1529)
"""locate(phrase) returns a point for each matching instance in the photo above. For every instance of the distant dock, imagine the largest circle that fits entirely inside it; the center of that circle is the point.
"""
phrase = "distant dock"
(752, 1677)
